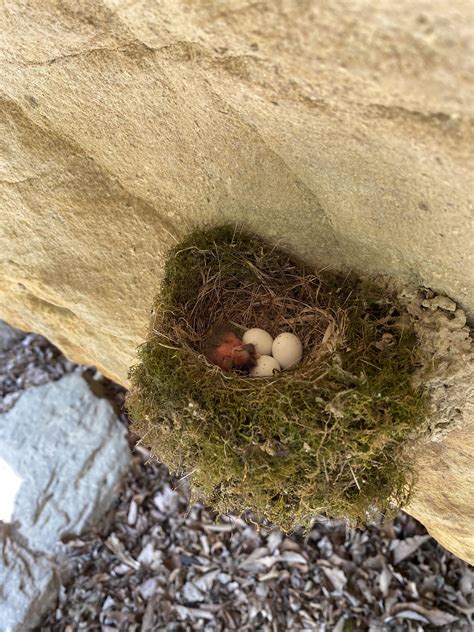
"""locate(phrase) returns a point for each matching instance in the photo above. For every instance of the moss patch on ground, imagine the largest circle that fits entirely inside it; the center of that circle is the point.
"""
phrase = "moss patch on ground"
(331, 436)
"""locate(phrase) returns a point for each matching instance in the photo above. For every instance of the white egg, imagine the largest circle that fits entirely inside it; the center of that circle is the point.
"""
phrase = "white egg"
(265, 367)
(260, 339)
(287, 349)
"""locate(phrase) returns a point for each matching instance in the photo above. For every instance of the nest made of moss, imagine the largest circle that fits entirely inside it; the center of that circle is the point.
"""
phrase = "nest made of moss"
(331, 436)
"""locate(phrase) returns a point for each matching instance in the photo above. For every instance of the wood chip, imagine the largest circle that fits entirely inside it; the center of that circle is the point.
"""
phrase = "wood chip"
(402, 549)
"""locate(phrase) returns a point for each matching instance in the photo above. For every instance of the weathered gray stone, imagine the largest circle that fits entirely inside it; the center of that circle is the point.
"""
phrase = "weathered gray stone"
(8, 336)
(70, 451)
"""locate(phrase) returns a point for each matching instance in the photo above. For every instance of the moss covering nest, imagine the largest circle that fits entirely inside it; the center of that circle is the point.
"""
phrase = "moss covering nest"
(328, 437)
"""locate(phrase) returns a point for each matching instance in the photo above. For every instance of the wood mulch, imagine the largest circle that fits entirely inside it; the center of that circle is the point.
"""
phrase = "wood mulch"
(155, 563)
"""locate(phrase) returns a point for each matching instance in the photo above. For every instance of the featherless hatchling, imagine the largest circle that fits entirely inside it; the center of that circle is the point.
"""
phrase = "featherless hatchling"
(224, 348)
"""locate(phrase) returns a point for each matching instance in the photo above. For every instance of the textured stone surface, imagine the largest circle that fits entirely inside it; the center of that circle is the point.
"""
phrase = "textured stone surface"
(444, 497)
(8, 336)
(343, 129)
(70, 451)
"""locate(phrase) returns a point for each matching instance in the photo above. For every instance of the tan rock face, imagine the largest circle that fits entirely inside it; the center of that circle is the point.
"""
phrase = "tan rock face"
(342, 129)
(444, 498)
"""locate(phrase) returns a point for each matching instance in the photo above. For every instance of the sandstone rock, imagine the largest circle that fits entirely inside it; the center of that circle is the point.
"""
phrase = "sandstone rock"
(441, 302)
(342, 129)
(69, 451)
(444, 497)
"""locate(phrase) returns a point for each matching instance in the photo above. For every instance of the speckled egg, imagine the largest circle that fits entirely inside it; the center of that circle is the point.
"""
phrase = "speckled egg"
(265, 367)
(287, 350)
(260, 339)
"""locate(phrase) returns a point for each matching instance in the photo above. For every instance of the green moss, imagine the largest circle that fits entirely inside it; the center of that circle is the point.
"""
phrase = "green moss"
(331, 436)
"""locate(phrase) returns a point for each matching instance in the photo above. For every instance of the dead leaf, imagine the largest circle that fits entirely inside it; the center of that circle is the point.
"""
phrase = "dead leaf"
(292, 558)
(336, 577)
(413, 616)
(114, 544)
(404, 548)
(385, 578)
(433, 615)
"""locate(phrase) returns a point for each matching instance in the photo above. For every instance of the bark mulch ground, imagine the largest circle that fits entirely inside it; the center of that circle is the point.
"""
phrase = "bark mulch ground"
(155, 563)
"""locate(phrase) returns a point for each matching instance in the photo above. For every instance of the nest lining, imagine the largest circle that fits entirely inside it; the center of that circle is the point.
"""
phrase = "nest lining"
(329, 436)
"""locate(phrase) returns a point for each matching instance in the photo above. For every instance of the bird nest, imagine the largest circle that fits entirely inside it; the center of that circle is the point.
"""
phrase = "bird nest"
(330, 436)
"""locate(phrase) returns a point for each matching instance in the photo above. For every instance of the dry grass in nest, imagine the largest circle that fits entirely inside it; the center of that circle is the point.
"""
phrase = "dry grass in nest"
(278, 298)
(329, 436)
